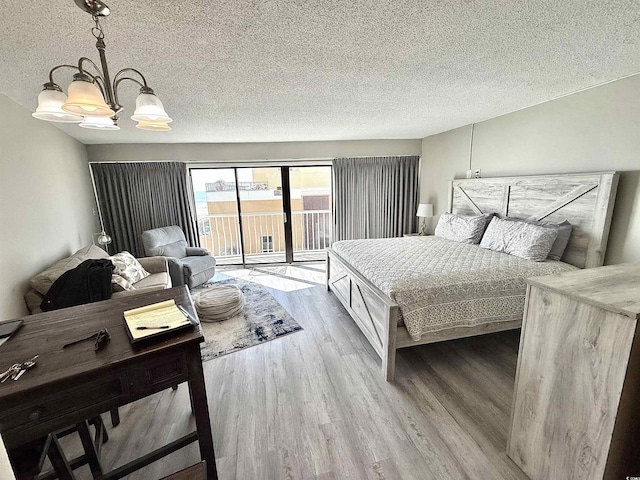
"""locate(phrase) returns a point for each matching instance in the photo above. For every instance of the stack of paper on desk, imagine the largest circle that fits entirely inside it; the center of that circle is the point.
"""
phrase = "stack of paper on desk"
(155, 319)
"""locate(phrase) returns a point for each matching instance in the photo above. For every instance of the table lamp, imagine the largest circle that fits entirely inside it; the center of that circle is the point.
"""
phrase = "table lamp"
(425, 210)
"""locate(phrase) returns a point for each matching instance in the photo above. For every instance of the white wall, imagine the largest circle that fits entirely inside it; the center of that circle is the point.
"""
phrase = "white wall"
(594, 130)
(6, 472)
(46, 201)
(238, 152)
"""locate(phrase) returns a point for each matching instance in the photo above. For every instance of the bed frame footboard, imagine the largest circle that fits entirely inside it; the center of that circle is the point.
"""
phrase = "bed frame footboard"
(374, 313)
(377, 315)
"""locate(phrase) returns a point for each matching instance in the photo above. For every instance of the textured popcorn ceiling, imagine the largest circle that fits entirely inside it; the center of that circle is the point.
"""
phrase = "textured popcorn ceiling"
(273, 70)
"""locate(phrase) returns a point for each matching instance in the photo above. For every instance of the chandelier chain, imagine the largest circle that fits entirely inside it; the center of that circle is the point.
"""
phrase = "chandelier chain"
(97, 31)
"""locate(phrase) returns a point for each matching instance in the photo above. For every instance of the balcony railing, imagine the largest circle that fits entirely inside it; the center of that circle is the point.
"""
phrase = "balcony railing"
(264, 235)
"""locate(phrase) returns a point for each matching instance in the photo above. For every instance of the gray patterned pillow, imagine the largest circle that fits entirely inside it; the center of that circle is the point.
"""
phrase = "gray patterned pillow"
(119, 284)
(521, 239)
(128, 267)
(462, 228)
(562, 240)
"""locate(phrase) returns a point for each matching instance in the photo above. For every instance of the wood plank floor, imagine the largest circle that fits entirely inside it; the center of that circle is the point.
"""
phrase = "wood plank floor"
(314, 405)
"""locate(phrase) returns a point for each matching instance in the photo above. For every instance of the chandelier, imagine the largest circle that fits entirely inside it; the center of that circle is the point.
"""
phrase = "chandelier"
(93, 97)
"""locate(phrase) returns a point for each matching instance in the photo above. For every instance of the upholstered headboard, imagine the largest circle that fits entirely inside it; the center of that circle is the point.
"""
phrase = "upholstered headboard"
(584, 199)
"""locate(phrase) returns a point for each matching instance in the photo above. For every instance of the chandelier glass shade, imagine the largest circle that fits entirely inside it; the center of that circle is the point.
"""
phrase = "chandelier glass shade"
(149, 109)
(153, 126)
(99, 123)
(50, 107)
(86, 99)
(92, 97)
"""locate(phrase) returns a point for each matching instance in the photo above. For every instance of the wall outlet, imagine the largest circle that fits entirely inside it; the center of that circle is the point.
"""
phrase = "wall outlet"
(477, 173)
(469, 173)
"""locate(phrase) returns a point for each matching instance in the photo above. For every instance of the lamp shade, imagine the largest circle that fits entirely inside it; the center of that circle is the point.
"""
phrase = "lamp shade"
(50, 108)
(103, 239)
(99, 123)
(425, 210)
(86, 99)
(153, 126)
(149, 109)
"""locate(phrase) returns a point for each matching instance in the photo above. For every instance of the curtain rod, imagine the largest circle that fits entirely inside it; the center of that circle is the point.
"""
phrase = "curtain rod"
(232, 164)
(218, 162)
(267, 160)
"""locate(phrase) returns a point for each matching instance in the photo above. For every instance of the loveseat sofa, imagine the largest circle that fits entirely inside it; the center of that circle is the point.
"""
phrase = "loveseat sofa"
(40, 284)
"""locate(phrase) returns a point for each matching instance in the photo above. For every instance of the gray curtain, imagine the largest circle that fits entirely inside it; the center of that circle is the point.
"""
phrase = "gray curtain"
(135, 197)
(375, 197)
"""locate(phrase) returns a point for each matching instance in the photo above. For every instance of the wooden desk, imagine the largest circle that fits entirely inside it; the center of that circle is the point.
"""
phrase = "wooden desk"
(77, 383)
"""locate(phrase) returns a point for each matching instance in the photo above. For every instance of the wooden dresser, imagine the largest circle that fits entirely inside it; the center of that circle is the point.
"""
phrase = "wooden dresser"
(576, 409)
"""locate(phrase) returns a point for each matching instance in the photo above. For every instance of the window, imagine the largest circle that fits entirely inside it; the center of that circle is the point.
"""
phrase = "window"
(267, 243)
(268, 214)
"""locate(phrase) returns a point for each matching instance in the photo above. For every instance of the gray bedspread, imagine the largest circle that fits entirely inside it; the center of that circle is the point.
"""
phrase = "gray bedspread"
(440, 284)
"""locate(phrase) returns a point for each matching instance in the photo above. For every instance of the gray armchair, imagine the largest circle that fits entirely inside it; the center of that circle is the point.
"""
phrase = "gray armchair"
(187, 265)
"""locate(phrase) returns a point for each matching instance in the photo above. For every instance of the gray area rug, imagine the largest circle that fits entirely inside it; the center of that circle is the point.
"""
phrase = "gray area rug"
(262, 320)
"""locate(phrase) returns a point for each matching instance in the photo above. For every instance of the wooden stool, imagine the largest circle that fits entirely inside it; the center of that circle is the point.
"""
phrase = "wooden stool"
(28, 460)
(194, 472)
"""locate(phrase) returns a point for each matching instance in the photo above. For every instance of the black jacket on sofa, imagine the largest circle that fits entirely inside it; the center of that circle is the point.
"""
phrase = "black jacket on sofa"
(88, 282)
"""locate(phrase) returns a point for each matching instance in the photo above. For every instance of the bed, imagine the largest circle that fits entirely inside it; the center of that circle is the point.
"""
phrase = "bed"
(409, 291)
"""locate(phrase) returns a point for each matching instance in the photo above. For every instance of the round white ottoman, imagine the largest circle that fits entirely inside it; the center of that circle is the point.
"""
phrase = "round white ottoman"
(219, 303)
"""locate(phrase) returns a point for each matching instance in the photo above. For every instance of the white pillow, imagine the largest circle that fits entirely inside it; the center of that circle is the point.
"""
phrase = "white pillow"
(128, 267)
(462, 228)
(524, 240)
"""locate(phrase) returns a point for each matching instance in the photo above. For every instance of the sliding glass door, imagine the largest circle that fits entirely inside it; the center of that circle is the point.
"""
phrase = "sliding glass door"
(311, 223)
(252, 215)
(216, 200)
(263, 219)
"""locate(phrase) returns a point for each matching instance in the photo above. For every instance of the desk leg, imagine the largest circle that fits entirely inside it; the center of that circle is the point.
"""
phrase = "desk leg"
(201, 412)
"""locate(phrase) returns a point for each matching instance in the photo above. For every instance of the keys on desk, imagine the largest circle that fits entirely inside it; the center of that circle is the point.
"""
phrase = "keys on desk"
(26, 366)
(16, 370)
(13, 370)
